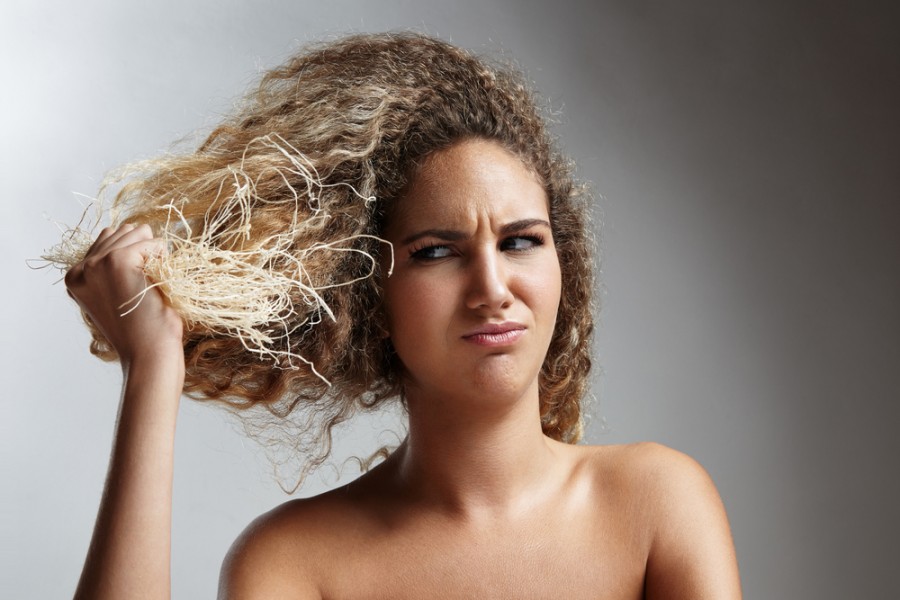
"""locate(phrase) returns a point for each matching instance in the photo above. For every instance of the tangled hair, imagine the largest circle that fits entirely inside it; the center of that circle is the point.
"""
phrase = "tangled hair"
(364, 111)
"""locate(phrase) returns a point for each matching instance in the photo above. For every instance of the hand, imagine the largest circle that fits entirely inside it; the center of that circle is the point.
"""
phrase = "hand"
(108, 283)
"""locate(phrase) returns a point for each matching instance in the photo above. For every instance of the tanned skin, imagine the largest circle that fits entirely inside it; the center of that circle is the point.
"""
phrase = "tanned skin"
(477, 502)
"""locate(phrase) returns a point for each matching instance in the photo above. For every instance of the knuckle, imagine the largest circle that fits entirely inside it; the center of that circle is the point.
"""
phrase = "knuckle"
(119, 259)
(90, 264)
(72, 276)
(114, 259)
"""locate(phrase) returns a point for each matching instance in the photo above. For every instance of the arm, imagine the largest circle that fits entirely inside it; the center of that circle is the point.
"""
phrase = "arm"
(129, 553)
(692, 554)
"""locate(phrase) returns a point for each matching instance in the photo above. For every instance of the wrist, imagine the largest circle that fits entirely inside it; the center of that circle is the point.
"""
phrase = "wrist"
(161, 363)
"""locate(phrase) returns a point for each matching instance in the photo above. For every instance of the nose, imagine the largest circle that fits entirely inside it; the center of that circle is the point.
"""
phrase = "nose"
(488, 281)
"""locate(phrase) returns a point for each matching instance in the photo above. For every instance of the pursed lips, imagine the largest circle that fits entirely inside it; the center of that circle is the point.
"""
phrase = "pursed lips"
(496, 334)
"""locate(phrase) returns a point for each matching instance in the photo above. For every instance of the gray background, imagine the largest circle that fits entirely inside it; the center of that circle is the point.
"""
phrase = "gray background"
(746, 159)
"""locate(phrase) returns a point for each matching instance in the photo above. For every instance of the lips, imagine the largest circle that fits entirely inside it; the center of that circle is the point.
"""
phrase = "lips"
(496, 334)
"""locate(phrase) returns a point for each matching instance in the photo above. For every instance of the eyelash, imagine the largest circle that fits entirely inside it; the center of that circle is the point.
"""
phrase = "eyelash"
(420, 253)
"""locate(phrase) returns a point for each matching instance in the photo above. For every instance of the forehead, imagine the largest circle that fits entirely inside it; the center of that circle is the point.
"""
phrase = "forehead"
(467, 181)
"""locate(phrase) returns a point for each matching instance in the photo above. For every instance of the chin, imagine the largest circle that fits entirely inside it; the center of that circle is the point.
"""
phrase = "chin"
(504, 379)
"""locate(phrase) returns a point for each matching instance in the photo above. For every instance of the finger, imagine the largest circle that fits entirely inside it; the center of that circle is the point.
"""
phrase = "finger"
(123, 235)
(126, 258)
(133, 254)
(107, 238)
(139, 252)
(105, 233)
(132, 235)
(148, 248)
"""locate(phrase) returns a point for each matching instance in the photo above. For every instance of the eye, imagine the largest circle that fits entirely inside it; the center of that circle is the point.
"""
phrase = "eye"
(432, 252)
(522, 243)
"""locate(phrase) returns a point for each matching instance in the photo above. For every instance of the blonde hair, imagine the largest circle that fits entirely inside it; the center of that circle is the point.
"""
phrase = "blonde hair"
(358, 114)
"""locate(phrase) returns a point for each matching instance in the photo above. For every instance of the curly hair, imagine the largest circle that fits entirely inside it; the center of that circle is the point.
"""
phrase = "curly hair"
(365, 111)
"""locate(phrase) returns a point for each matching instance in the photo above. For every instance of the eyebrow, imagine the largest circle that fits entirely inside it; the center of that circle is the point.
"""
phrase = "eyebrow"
(453, 235)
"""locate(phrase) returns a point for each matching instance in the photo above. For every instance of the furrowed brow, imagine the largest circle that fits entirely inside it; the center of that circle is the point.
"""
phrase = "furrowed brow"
(517, 226)
(452, 235)
(448, 235)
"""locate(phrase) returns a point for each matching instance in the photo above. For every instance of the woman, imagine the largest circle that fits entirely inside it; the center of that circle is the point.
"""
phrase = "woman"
(478, 319)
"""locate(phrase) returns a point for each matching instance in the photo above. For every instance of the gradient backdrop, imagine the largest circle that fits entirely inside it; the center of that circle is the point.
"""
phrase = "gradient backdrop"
(746, 161)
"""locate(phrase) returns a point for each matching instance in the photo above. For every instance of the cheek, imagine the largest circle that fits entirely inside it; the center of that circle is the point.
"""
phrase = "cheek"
(547, 285)
(411, 305)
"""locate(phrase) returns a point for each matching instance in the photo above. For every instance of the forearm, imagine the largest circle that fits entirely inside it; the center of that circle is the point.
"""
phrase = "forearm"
(129, 555)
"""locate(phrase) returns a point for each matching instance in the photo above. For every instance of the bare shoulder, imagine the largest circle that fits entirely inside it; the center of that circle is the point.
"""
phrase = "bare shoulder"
(656, 468)
(645, 468)
(690, 552)
(301, 547)
(677, 489)
(278, 554)
(674, 485)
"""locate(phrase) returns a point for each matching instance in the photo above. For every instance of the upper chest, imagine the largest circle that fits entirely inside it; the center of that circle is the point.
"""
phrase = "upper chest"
(547, 556)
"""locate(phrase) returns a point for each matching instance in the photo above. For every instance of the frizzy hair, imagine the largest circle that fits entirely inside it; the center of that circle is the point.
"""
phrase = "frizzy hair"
(364, 110)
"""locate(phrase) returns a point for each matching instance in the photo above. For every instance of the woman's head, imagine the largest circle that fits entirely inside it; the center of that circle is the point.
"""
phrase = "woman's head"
(366, 111)
(472, 303)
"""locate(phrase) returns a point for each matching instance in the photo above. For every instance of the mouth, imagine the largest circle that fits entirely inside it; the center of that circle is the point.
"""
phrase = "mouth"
(496, 334)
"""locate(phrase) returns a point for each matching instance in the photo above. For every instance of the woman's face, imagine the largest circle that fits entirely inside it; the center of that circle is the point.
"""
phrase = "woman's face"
(472, 301)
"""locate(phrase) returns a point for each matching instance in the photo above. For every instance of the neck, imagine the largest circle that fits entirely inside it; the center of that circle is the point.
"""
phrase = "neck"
(488, 459)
